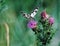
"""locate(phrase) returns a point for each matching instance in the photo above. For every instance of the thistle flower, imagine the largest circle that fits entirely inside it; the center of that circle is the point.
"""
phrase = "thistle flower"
(44, 15)
(51, 20)
(32, 24)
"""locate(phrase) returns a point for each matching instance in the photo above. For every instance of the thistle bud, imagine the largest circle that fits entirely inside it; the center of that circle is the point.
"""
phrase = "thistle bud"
(51, 20)
(44, 15)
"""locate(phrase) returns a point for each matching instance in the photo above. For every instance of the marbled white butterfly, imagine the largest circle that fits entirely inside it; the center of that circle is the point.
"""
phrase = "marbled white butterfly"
(32, 15)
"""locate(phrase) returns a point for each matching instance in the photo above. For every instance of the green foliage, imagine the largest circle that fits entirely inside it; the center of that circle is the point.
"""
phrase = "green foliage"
(20, 34)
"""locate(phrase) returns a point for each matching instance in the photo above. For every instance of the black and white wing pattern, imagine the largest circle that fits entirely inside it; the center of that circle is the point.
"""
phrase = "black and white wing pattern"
(26, 15)
(34, 13)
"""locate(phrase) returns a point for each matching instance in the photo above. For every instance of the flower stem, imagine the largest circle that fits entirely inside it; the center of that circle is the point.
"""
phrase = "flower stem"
(7, 33)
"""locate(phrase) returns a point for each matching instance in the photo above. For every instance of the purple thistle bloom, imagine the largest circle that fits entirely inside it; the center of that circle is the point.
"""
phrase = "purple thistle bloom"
(44, 15)
(32, 24)
(51, 20)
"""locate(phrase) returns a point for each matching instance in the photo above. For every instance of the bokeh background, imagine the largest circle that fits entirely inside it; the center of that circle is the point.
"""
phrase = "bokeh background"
(19, 33)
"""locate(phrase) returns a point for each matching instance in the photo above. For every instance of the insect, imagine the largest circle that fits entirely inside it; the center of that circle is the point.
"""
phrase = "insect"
(32, 14)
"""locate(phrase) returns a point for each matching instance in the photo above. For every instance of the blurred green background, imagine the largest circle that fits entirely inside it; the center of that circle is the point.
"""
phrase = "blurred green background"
(20, 34)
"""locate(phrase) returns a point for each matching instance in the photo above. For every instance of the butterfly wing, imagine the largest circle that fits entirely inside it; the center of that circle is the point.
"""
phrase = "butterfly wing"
(34, 13)
(26, 15)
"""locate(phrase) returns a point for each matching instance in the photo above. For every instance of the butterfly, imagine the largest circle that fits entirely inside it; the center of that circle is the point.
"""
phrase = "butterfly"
(32, 14)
